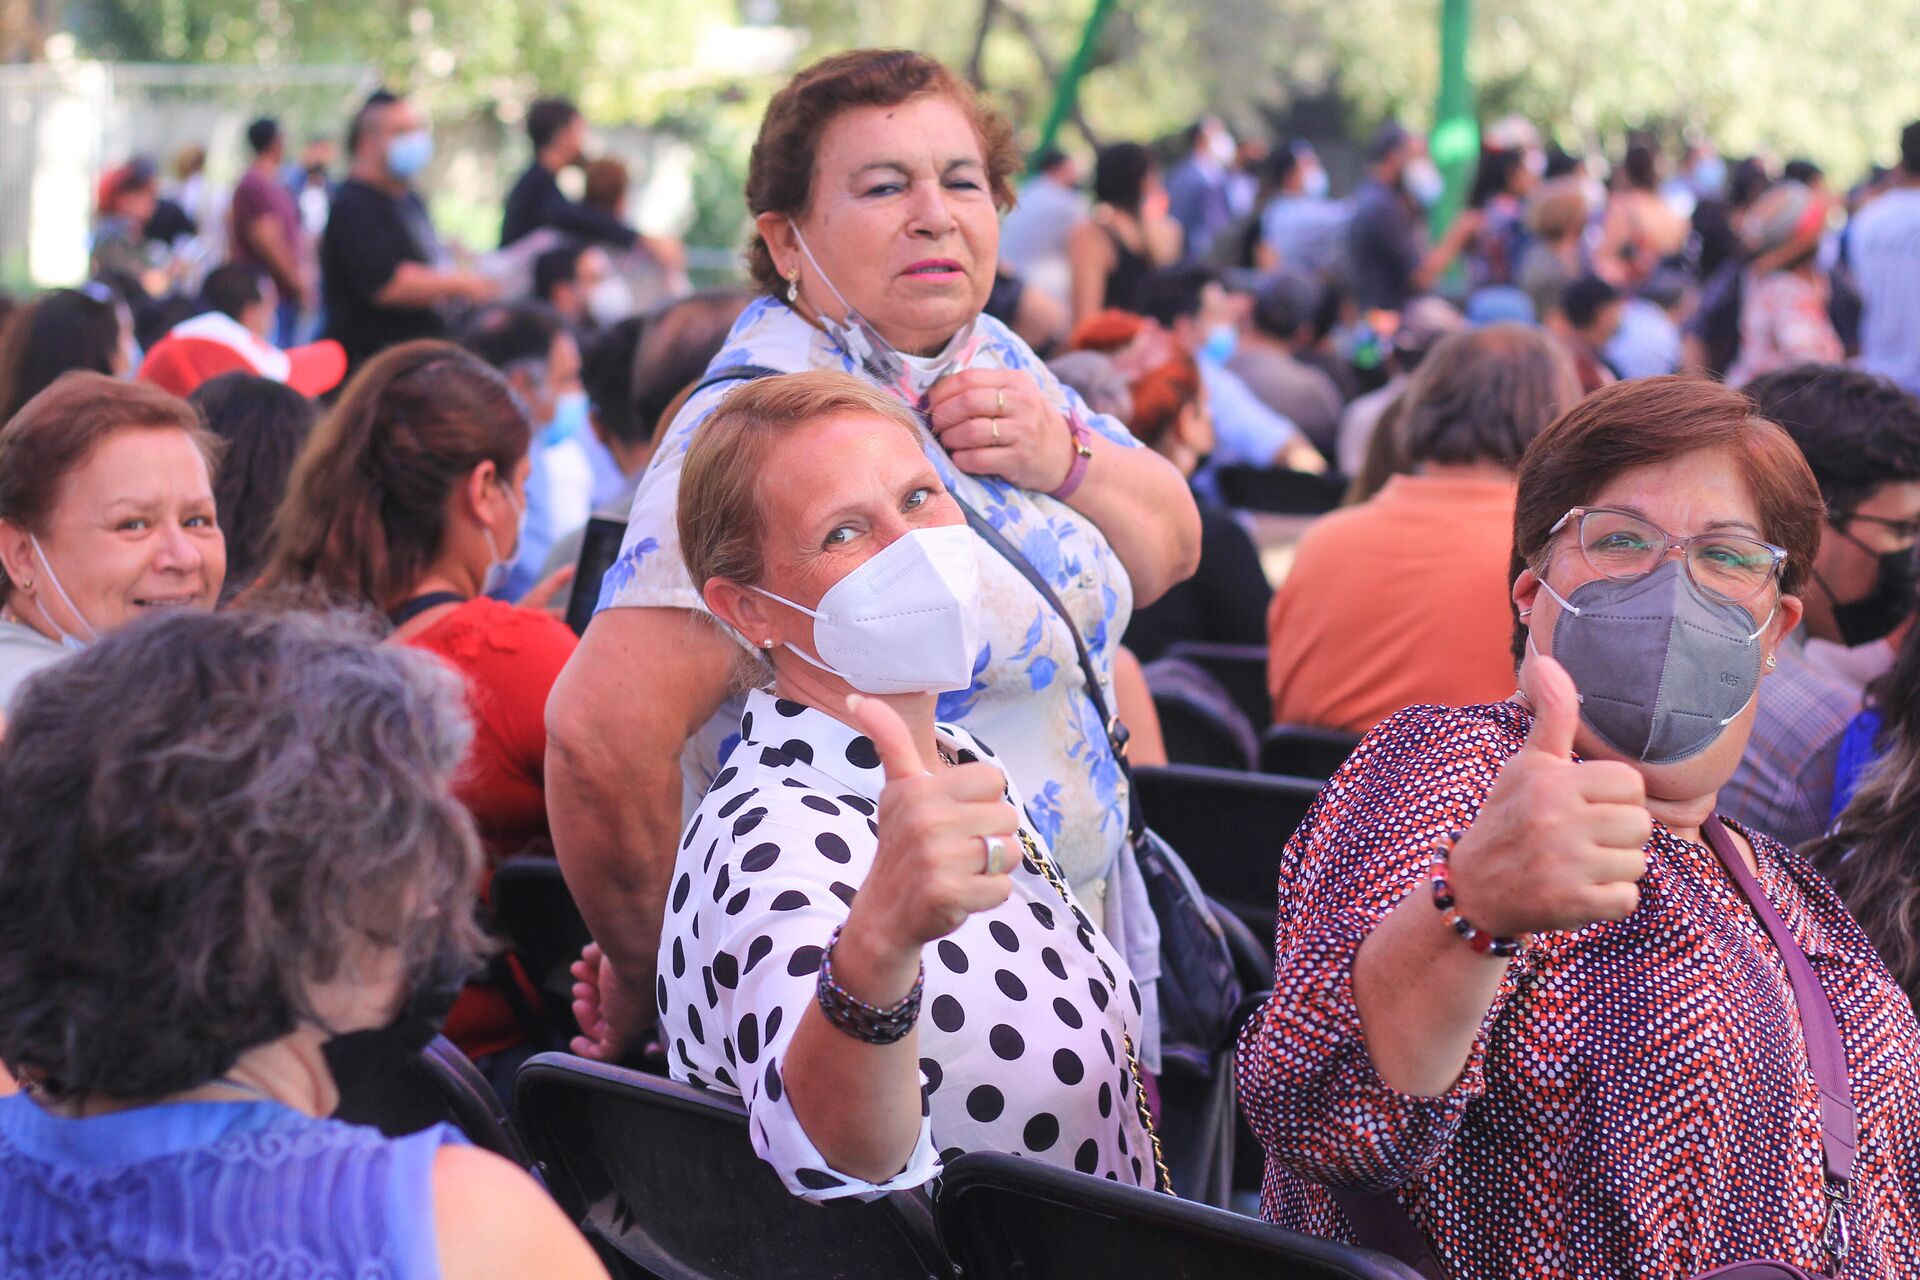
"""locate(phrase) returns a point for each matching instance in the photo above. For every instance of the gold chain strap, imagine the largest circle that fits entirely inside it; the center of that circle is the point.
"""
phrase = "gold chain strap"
(1126, 1039)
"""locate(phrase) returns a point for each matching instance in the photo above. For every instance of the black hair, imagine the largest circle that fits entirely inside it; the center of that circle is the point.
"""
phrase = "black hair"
(264, 423)
(1560, 163)
(1747, 181)
(1291, 301)
(65, 330)
(555, 267)
(546, 118)
(1281, 162)
(1050, 158)
(1493, 176)
(606, 374)
(1120, 172)
(677, 348)
(1585, 298)
(1910, 149)
(1174, 292)
(262, 134)
(376, 101)
(520, 333)
(1803, 171)
(231, 289)
(1641, 167)
(1858, 431)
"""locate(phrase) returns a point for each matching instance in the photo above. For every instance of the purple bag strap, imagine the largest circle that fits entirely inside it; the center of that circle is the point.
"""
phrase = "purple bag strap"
(1826, 1051)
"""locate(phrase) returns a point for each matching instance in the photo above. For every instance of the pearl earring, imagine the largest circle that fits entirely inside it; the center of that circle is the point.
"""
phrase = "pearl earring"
(767, 643)
(793, 290)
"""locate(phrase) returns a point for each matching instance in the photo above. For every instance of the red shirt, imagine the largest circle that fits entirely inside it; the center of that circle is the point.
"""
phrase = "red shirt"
(509, 658)
(1637, 1102)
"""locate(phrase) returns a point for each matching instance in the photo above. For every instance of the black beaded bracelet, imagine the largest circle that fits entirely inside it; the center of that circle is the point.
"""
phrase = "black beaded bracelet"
(1485, 943)
(859, 1019)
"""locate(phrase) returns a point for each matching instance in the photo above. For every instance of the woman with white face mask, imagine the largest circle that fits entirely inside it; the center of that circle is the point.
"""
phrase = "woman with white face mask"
(876, 185)
(106, 513)
(1529, 984)
(865, 938)
(408, 499)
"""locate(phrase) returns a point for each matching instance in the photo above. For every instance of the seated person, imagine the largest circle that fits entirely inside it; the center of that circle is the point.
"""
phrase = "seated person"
(1403, 599)
(1861, 435)
(1225, 601)
(1282, 322)
(88, 328)
(106, 513)
(263, 425)
(408, 499)
(854, 863)
(173, 993)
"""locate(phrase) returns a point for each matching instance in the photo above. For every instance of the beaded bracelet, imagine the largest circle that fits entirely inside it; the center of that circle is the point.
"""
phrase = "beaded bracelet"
(1486, 944)
(856, 1018)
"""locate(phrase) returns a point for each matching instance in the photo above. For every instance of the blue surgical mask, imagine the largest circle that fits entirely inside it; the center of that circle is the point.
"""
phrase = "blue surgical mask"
(1316, 184)
(1222, 341)
(409, 153)
(569, 421)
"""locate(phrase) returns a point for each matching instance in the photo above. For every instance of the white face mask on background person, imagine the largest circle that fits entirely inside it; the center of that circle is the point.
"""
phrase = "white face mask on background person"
(1423, 181)
(905, 621)
(609, 301)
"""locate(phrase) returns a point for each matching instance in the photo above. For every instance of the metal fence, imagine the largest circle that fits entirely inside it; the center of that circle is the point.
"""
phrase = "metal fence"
(62, 125)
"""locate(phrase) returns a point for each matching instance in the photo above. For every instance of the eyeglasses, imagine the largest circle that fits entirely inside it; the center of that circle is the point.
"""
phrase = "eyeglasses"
(1903, 530)
(1619, 545)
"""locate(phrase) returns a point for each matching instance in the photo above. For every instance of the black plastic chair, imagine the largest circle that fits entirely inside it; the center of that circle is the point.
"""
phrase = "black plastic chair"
(664, 1175)
(443, 1087)
(1305, 750)
(535, 911)
(1010, 1218)
(1279, 491)
(1230, 828)
(1196, 732)
(1241, 670)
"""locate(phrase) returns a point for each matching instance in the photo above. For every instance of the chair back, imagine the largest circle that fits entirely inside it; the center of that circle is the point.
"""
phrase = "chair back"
(599, 548)
(535, 911)
(1278, 491)
(1230, 828)
(1009, 1218)
(665, 1176)
(1305, 750)
(442, 1087)
(1241, 670)
(1202, 731)
(471, 1103)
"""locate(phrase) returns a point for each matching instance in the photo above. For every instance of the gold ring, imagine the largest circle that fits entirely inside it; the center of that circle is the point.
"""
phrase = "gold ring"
(996, 430)
(999, 402)
(995, 846)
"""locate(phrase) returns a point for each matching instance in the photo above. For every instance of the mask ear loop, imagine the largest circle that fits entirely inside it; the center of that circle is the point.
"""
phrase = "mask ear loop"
(54, 580)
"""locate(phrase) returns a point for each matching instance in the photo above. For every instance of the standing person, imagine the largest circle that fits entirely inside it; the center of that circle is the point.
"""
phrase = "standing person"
(1861, 436)
(1783, 301)
(1557, 217)
(1301, 227)
(383, 272)
(1579, 1056)
(1033, 236)
(558, 133)
(266, 231)
(1127, 236)
(1640, 229)
(876, 185)
(1884, 248)
(127, 198)
(1500, 189)
(1386, 260)
(1588, 318)
(578, 283)
(1198, 186)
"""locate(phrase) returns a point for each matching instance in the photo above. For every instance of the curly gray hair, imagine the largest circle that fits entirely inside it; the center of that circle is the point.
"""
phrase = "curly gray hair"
(206, 816)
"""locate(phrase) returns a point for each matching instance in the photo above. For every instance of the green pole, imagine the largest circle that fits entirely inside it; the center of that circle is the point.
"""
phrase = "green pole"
(1455, 142)
(1069, 86)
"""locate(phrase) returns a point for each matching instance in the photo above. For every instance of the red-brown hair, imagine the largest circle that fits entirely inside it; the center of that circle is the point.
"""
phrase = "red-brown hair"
(1650, 421)
(365, 512)
(55, 433)
(780, 173)
(1160, 394)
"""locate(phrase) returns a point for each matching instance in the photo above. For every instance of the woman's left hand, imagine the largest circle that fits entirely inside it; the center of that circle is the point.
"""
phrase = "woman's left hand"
(995, 422)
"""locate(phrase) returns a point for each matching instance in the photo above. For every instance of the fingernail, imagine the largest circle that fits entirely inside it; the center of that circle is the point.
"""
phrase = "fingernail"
(854, 702)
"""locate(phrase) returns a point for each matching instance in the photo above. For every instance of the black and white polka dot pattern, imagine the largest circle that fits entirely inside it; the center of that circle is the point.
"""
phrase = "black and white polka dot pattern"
(1025, 1006)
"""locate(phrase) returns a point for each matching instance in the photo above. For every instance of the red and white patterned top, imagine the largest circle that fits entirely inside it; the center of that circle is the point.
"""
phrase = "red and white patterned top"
(1638, 1101)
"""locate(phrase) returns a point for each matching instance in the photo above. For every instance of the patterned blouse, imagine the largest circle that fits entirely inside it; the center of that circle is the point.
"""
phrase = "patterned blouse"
(1027, 687)
(1025, 1014)
(1638, 1101)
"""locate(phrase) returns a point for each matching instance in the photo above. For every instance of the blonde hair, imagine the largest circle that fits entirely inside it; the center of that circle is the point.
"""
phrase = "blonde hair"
(721, 517)
(1558, 208)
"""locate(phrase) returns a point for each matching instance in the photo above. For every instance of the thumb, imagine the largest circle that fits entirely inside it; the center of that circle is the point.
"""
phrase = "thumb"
(898, 755)
(1556, 706)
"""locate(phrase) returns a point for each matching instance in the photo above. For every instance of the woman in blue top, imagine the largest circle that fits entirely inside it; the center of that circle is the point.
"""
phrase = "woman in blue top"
(229, 847)
(875, 184)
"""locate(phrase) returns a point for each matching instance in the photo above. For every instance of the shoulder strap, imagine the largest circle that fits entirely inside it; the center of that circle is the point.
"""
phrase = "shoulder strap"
(1116, 731)
(1826, 1051)
(407, 610)
(738, 373)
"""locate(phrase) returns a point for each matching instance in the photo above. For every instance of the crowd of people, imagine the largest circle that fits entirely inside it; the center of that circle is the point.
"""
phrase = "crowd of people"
(1598, 957)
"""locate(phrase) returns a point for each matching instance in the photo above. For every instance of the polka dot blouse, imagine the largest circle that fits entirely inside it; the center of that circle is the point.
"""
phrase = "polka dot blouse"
(1638, 1101)
(1025, 1006)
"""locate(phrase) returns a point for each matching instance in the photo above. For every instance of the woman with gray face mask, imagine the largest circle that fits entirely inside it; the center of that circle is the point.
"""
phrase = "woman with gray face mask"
(1532, 994)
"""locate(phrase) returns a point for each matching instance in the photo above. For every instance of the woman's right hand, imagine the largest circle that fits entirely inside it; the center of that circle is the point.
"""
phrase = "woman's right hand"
(929, 873)
(1558, 844)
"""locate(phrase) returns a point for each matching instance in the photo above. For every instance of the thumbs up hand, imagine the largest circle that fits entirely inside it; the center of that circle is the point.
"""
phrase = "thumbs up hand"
(1558, 844)
(930, 872)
